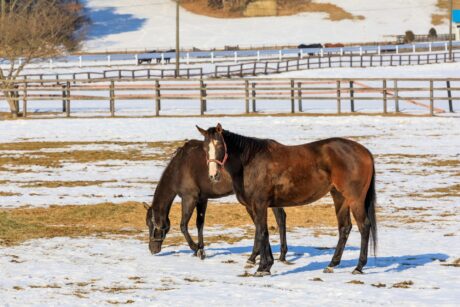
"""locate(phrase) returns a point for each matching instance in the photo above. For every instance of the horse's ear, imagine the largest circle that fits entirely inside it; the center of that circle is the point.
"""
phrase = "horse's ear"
(146, 206)
(202, 131)
(219, 128)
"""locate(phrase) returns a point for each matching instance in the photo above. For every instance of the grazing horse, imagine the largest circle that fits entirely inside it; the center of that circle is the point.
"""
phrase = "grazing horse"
(186, 175)
(267, 174)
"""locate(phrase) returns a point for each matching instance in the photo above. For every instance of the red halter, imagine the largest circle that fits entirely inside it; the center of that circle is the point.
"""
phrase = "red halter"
(221, 163)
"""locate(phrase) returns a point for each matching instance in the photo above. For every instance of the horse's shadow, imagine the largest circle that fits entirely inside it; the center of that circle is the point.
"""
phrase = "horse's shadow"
(392, 264)
(106, 21)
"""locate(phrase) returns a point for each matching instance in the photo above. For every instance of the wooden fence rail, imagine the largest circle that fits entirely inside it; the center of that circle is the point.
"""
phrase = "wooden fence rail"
(427, 96)
(302, 62)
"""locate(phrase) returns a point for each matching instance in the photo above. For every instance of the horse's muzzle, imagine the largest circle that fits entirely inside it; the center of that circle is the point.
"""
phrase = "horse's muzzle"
(215, 178)
(155, 246)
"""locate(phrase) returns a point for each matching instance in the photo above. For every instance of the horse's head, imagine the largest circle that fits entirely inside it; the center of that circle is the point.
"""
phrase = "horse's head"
(158, 228)
(216, 151)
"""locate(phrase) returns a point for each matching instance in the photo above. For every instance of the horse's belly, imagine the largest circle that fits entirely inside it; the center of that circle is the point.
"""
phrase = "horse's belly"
(300, 192)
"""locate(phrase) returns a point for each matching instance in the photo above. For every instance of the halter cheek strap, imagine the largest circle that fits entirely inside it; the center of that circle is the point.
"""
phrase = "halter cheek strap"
(221, 163)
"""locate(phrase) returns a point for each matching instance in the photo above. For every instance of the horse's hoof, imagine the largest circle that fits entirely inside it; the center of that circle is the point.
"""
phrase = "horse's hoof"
(250, 261)
(357, 272)
(201, 254)
(261, 274)
(328, 270)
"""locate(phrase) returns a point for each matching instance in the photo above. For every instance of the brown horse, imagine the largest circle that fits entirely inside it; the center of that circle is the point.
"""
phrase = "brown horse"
(186, 175)
(266, 174)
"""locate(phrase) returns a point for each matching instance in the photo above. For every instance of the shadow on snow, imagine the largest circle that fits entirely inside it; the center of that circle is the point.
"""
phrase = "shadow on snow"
(393, 264)
(106, 21)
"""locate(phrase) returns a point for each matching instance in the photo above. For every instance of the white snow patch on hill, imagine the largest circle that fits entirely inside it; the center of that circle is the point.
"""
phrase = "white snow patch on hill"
(146, 24)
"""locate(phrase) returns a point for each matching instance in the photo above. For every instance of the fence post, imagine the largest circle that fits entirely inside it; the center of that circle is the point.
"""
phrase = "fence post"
(254, 107)
(64, 91)
(299, 94)
(449, 95)
(157, 98)
(67, 107)
(431, 98)
(204, 106)
(254, 69)
(396, 96)
(385, 107)
(241, 70)
(24, 102)
(352, 97)
(339, 106)
(112, 98)
(266, 67)
(246, 95)
(292, 96)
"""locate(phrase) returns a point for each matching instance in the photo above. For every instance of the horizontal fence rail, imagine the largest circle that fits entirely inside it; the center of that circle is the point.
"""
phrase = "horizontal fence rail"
(426, 96)
(139, 58)
(300, 62)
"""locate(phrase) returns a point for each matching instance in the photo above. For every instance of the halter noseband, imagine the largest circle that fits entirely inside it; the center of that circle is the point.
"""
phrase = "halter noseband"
(221, 163)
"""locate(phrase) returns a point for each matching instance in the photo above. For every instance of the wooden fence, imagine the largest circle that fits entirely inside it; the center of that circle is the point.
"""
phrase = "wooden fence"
(429, 96)
(330, 61)
(301, 62)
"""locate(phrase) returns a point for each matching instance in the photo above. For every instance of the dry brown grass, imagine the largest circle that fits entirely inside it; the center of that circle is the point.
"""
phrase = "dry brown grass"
(285, 8)
(67, 184)
(334, 12)
(34, 156)
(447, 191)
(443, 16)
(19, 225)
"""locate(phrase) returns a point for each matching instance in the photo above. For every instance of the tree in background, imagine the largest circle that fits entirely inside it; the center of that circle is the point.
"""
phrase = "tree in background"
(432, 34)
(31, 29)
(409, 37)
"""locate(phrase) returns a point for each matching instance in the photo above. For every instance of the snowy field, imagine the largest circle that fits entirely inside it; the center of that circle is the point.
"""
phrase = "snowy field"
(418, 212)
(143, 24)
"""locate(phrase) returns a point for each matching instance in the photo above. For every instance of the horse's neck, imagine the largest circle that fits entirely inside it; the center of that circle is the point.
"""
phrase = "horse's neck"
(241, 148)
(165, 191)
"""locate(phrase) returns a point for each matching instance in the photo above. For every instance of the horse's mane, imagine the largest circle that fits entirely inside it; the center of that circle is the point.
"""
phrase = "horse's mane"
(246, 146)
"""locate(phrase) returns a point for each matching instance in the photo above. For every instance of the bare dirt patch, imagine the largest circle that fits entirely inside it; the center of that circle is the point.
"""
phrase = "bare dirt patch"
(404, 284)
(285, 8)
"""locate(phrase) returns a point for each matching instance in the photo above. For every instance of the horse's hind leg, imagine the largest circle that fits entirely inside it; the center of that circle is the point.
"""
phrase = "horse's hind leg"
(364, 226)
(280, 216)
(188, 205)
(255, 248)
(342, 210)
(201, 213)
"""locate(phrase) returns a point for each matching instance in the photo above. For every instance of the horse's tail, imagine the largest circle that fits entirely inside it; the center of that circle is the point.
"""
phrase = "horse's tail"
(370, 204)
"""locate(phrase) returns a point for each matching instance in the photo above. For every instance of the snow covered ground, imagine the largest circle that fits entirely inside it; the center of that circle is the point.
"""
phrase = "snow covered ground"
(417, 170)
(146, 24)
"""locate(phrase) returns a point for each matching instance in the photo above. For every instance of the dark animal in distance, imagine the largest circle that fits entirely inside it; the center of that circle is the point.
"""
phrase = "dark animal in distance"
(310, 46)
(148, 60)
(187, 176)
(267, 174)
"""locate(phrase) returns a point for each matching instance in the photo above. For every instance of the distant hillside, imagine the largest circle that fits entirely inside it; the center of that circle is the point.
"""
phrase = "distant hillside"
(252, 8)
(150, 24)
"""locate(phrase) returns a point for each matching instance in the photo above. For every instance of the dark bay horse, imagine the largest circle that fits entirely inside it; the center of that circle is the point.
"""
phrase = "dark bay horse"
(267, 174)
(186, 175)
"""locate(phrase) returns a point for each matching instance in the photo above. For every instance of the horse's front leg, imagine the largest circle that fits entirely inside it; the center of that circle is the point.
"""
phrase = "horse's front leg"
(262, 239)
(201, 213)
(188, 205)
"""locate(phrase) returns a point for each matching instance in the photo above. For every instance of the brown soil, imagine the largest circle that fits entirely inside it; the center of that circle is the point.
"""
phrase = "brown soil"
(285, 8)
